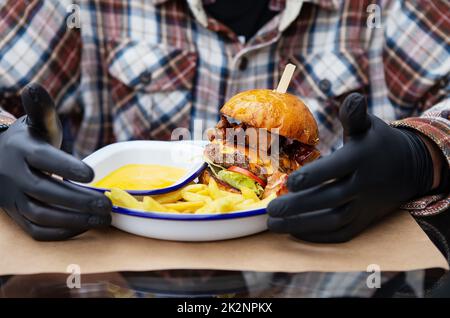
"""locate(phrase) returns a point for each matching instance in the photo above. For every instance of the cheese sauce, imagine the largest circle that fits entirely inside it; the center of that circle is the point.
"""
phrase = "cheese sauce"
(141, 177)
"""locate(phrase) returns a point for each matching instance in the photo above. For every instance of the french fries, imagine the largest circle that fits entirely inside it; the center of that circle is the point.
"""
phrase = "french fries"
(124, 199)
(249, 194)
(150, 204)
(194, 188)
(188, 207)
(171, 197)
(193, 198)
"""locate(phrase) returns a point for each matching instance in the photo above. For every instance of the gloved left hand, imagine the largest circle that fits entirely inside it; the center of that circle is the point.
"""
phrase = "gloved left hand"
(338, 196)
(45, 207)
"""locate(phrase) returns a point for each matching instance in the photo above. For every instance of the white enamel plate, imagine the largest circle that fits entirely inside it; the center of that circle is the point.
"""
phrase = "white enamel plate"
(171, 226)
(182, 155)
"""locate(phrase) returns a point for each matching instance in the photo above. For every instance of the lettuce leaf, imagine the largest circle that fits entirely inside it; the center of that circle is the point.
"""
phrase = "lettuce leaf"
(239, 181)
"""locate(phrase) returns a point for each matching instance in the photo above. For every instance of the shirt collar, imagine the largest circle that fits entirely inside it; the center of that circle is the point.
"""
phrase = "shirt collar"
(278, 5)
(289, 9)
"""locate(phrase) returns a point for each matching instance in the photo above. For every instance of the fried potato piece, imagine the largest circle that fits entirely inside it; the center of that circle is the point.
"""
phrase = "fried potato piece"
(195, 187)
(195, 197)
(151, 205)
(204, 192)
(255, 205)
(227, 204)
(249, 194)
(189, 207)
(123, 199)
(170, 197)
(214, 190)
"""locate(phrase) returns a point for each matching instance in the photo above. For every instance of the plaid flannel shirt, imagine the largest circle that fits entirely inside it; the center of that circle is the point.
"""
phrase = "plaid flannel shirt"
(138, 69)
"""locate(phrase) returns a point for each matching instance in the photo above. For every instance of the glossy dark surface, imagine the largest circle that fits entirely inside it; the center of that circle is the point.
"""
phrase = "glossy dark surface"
(203, 283)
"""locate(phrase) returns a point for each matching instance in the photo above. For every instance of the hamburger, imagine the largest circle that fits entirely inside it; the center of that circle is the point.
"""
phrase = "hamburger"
(262, 137)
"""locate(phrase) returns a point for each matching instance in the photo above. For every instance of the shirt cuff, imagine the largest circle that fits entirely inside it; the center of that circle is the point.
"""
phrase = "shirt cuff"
(436, 129)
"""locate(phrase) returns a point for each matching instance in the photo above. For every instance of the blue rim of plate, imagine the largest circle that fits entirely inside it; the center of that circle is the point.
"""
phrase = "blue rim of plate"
(151, 192)
(188, 217)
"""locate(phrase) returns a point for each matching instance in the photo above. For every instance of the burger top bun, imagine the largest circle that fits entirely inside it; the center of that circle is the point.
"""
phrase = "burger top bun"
(265, 108)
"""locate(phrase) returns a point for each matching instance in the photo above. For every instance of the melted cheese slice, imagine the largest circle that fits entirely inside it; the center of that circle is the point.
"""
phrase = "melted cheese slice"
(261, 159)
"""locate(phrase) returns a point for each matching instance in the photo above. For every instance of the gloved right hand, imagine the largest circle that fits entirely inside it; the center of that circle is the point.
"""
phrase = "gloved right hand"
(45, 207)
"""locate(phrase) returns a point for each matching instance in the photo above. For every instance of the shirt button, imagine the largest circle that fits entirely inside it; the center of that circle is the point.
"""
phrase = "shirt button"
(325, 86)
(244, 63)
(145, 78)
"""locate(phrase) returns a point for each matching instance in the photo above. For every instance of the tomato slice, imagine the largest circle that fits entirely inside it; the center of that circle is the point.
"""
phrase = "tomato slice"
(247, 173)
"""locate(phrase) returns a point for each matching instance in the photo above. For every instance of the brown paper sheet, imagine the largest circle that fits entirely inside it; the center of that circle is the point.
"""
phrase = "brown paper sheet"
(396, 244)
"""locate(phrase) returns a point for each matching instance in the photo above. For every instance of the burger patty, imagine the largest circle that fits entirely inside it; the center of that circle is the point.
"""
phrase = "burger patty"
(227, 160)
(237, 158)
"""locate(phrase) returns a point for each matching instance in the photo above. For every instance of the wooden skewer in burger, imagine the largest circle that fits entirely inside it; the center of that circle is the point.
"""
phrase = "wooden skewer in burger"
(244, 154)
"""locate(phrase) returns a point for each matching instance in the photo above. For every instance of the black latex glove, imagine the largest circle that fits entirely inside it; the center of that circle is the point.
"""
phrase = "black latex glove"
(46, 208)
(336, 197)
